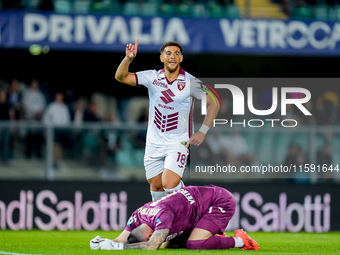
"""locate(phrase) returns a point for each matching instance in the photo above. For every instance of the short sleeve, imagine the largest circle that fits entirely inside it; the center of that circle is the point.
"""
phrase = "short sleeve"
(164, 220)
(197, 88)
(133, 222)
(145, 77)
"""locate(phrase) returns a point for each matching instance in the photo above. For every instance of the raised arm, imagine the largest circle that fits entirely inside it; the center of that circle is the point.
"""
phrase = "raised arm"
(157, 238)
(122, 73)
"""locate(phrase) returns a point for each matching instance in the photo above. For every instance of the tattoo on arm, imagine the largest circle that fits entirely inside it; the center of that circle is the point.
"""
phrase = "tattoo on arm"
(157, 238)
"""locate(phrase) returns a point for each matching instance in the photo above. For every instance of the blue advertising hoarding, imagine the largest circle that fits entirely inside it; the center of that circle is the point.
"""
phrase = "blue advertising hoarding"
(197, 35)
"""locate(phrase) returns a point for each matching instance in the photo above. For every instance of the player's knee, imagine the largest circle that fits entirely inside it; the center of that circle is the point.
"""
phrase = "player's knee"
(172, 183)
(155, 184)
(156, 188)
(195, 244)
(169, 188)
(169, 184)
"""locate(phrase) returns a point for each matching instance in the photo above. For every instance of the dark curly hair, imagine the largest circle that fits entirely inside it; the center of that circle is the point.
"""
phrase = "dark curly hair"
(171, 43)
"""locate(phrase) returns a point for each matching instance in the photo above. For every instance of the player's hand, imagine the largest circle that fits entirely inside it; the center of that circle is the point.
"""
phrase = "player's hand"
(196, 139)
(111, 245)
(131, 50)
(94, 243)
(99, 243)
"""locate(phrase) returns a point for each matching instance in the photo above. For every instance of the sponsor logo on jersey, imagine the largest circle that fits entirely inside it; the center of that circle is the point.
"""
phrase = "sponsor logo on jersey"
(166, 106)
(166, 123)
(167, 94)
(158, 222)
(181, 85)
(159, 84)
(187, 196)
(131, 220)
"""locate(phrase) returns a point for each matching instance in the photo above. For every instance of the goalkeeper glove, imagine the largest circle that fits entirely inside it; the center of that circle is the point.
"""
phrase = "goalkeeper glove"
(99, 243)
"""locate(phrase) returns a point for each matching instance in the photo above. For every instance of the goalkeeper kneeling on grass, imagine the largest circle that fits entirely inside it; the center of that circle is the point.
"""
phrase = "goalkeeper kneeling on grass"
(190, 217)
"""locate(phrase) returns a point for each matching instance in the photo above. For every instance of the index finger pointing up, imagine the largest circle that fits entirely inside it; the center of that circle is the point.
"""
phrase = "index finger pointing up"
(136, 45)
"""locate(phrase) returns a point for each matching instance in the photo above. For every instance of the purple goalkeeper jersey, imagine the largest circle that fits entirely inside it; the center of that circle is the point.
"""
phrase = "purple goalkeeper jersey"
(178, 211)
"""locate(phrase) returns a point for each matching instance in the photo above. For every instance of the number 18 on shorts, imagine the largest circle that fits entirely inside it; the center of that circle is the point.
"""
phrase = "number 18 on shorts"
(172, 157)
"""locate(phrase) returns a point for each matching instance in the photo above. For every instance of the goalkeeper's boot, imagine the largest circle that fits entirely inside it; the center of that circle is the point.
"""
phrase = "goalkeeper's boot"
(249, 243)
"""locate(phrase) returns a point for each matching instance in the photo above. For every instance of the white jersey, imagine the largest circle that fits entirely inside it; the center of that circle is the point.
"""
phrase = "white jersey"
(170, 106)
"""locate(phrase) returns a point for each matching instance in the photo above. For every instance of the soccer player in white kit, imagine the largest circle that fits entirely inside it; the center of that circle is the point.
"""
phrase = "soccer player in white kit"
(169, 134)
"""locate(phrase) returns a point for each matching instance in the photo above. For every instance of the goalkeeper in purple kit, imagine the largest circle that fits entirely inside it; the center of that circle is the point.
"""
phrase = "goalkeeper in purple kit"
(190, 217)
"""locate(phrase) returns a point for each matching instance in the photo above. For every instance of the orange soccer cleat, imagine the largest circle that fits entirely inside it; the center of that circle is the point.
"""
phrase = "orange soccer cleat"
(249, 243)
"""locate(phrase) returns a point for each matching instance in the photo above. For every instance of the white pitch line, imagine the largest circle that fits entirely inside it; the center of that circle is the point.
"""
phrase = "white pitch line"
(14, 253)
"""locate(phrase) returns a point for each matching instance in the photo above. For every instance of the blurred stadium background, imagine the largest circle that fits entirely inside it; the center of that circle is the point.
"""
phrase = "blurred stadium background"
(95, 152)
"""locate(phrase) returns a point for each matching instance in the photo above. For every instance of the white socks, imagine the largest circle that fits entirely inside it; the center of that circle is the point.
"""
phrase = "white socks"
(157, 194)
(180, 185)
(238, 242)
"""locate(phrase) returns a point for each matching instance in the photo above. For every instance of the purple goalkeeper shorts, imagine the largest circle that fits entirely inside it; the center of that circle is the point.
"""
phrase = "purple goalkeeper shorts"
(216, 219)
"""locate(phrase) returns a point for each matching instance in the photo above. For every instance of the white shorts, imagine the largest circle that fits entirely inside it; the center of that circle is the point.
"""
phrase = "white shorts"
(172, 157)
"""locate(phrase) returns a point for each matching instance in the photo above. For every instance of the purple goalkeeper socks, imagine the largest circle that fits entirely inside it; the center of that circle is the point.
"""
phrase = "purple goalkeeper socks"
(213, 242)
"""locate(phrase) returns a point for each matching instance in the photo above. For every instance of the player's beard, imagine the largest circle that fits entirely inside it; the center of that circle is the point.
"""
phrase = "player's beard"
(171, 69)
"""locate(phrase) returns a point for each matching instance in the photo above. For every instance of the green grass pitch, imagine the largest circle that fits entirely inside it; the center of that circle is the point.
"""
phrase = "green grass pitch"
(77, 242)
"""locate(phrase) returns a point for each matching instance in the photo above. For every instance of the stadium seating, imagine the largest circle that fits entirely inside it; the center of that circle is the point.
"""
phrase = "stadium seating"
(250, 138)
(320, 140)
(125, 156)
(167, 10)
(33, 4)
(62, 6)
(321, 12)
(302, 13)
(199, 10)
(105, 6)
(149, 9)
(335, 143)
(281, 146)
(184, 10)
(81, 6)
(107, 106)
(334, 13)
(134, 107)
(130, 8)
(187, 8)
(302, 140)
(318, 12)
(265, 147)
(260, 9)
(232, 11)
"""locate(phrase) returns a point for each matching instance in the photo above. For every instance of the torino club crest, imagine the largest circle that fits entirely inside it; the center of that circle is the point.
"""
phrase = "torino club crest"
(181, 85)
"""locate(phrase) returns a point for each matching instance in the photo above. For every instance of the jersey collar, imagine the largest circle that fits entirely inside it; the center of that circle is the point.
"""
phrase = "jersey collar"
(181, 76)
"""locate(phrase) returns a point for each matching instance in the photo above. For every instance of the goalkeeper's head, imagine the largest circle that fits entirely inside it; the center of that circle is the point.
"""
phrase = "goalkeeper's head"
(140, 234)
